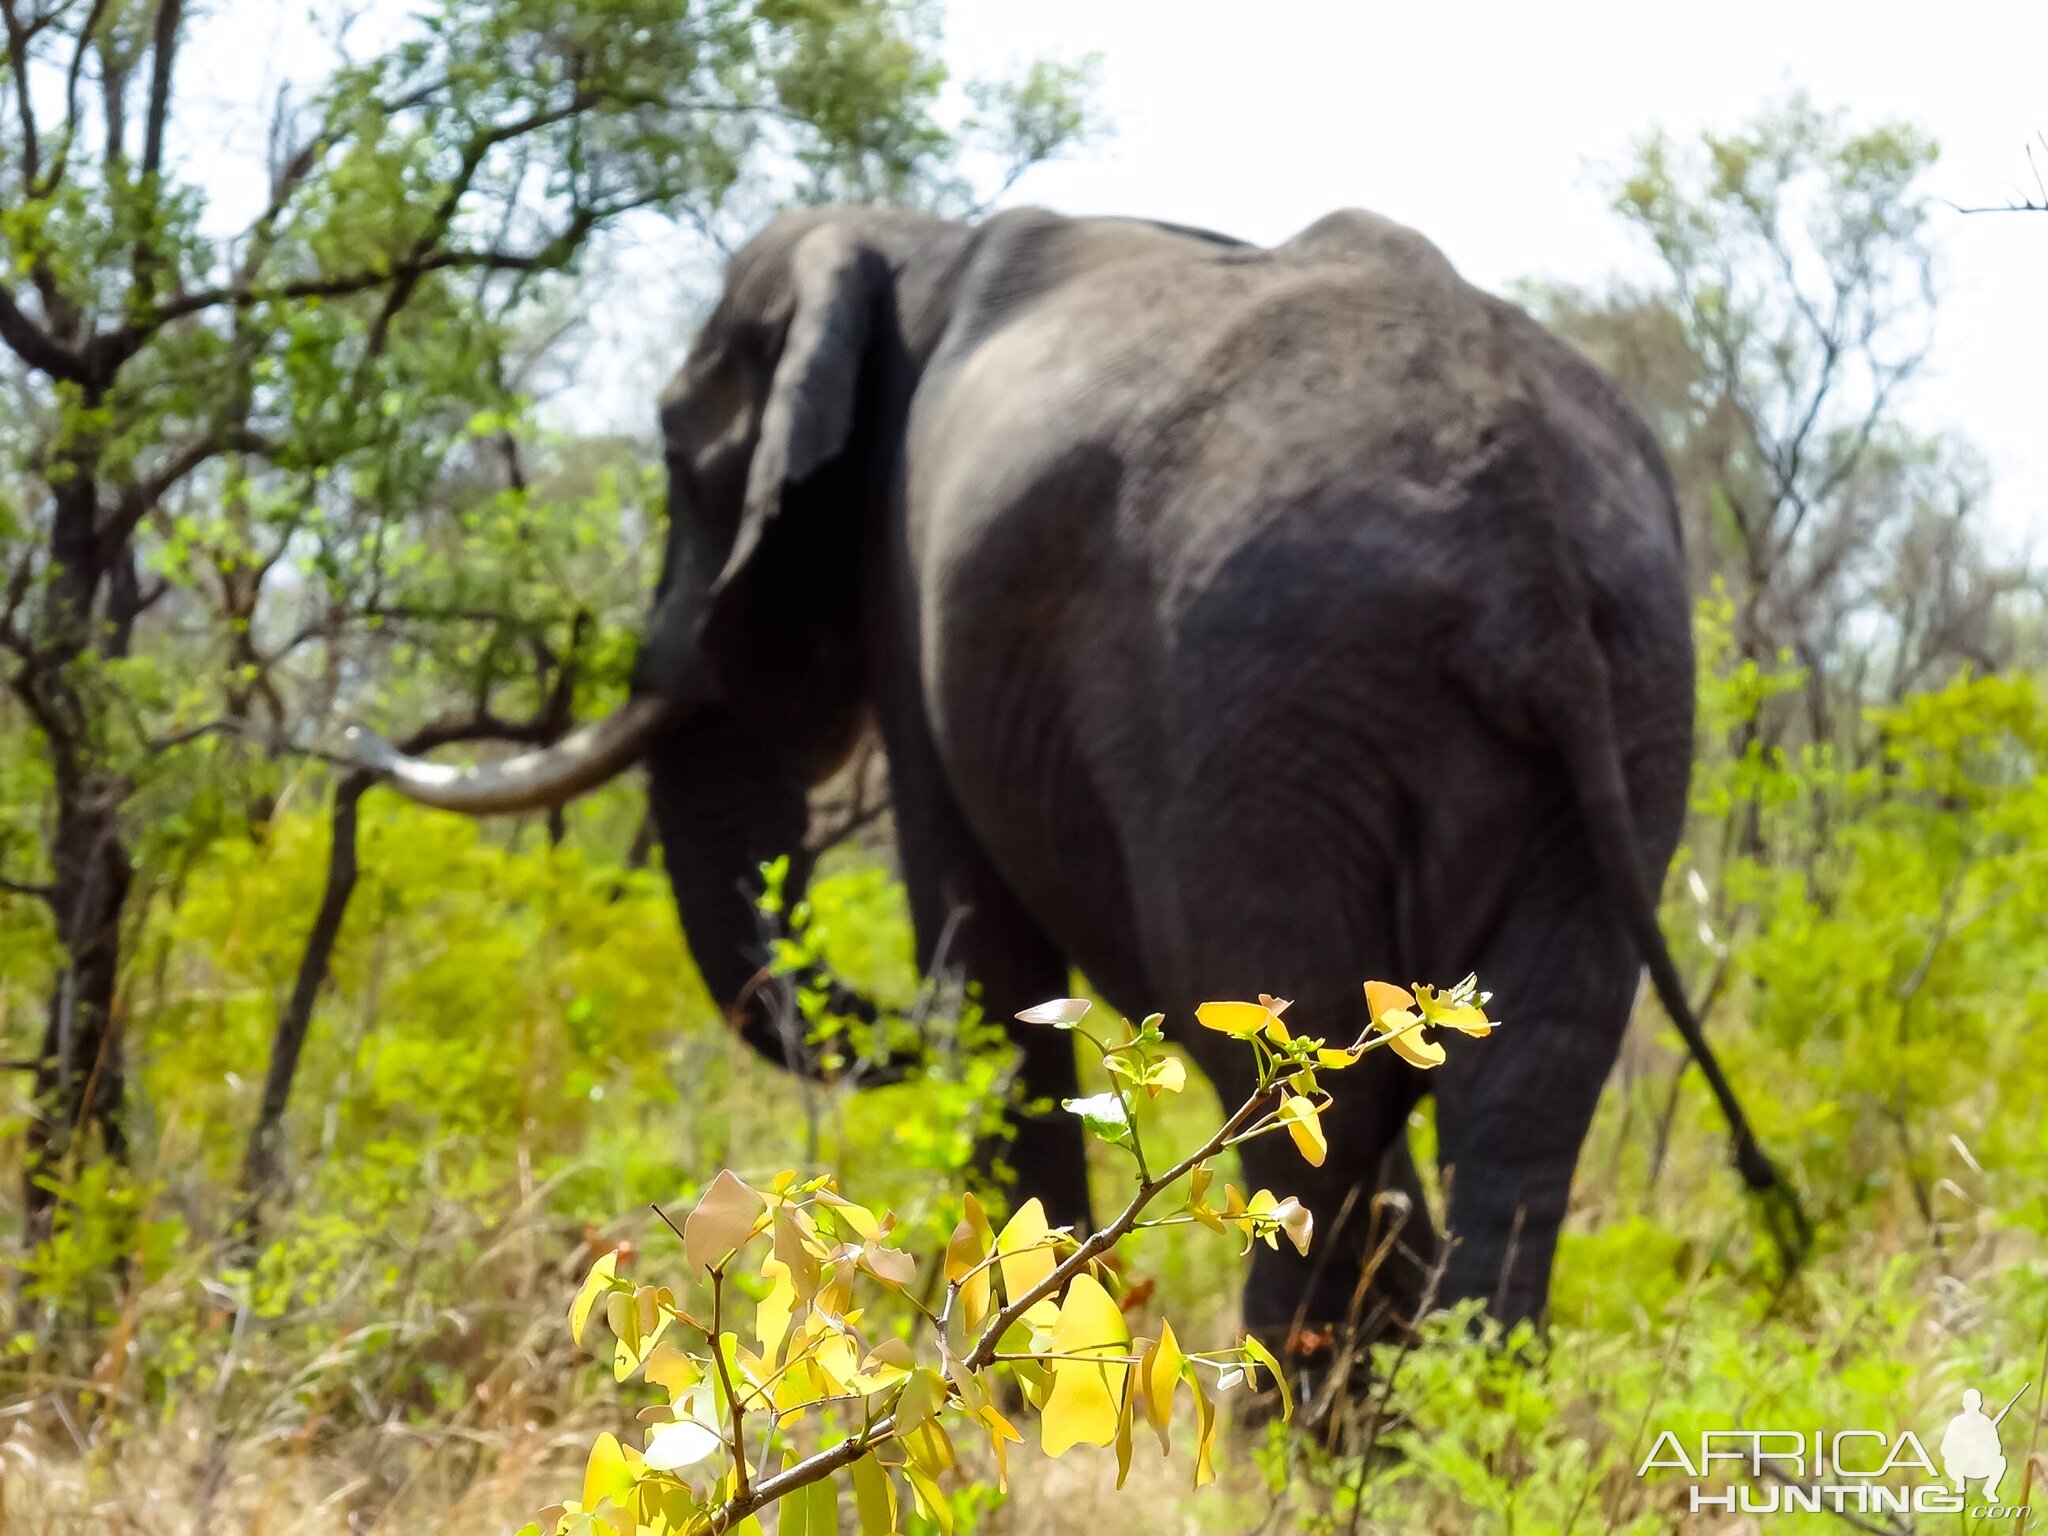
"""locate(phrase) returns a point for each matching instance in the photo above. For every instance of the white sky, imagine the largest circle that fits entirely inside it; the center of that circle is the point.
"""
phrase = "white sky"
(1479, 124)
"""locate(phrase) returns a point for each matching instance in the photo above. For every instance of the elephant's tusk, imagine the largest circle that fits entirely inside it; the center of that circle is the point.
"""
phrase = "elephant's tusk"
(540, 780)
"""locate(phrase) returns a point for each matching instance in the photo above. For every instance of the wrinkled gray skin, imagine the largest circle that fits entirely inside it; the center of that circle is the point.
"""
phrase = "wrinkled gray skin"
(1234, 620)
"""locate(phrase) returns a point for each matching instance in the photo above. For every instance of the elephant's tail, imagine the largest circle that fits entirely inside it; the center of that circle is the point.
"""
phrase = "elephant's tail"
(1593, 759)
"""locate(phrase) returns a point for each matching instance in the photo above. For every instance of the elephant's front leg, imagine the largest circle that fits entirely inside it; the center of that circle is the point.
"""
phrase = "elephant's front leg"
(970, 925)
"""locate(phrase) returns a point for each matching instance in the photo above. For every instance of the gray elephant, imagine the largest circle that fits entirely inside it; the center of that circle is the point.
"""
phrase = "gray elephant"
(1232, 619)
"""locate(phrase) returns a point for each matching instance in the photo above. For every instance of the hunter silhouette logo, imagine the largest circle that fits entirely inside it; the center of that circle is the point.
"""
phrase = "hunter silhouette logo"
(1970, 1448)
(1846, 1471)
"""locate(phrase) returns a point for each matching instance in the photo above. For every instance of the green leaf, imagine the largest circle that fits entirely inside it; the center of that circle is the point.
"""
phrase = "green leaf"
(812, 1510)
(1104, 1114)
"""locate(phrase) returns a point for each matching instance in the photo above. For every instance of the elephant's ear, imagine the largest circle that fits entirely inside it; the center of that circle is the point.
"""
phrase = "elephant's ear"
(809, 413)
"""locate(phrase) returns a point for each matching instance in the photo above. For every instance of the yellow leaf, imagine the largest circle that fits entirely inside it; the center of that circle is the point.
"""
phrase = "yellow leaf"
(772, 1313)
(837, 1357)
(928, 1447)
(1275, 1006)
(1198, 1205)
(1205, 1434)
(606, 1474)
(1087, 1394)
(890, 1361)
(874, 1497)
(625, 1316)
(836, 1295)
(1159, 1375)
(1383, 997)
(1305, 1125)
(595, 1284)
(891, 1266)
(637, 1322)
(800, 1385)
(794, 1238)
(1166, 1075)
(968, 1384)
(1464, 1017)
(1033, 1379)
(1265, 1204)
(664, 1505)
(1027, 1253)
(922, 1396)
(1234, 1209)
(724, 1218)
(672, 1370)
(863, 1221)
(971, 1242)
(932, 1502)
(1404, 1032)
(1126, 1417)
(1001, 1435)
(1264, 1356)
(627, 1356)
(1241, 1019)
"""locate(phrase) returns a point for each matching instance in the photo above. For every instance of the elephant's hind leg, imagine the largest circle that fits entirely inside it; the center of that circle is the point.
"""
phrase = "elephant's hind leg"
(1368, 1204)
(1513, 1109)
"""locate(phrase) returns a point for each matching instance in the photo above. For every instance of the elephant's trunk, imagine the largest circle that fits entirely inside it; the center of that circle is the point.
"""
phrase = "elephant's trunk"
(531, 781)
(725, 805)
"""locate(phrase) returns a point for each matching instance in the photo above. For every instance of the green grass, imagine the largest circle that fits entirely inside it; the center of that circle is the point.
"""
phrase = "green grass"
(516, 1058)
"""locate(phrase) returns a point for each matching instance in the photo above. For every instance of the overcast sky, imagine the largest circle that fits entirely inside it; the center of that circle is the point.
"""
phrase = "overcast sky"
(1483, 125)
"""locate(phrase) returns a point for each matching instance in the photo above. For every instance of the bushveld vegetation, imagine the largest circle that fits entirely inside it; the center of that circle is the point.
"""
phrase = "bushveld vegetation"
(319, 1108)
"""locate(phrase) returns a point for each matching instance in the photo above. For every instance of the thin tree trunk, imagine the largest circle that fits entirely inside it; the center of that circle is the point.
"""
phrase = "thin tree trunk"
(79, 1076)
(263, 1160)
(263, 1163)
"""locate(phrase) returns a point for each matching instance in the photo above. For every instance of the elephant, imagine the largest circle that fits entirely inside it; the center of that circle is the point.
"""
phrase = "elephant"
(1232, 619)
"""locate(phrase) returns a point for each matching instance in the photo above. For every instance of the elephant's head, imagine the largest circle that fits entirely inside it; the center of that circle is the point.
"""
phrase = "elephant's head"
(780, 433)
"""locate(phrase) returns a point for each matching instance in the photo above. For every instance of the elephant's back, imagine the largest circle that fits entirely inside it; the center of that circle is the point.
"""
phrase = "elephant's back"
(1213, 418)
(1229, 551)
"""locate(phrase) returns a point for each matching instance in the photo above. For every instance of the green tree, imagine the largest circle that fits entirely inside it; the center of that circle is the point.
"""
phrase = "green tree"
(1796, 302)
(228, 450)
